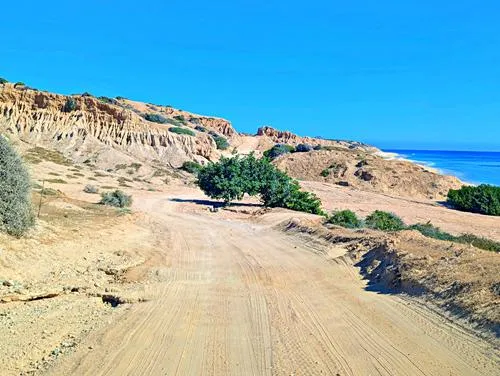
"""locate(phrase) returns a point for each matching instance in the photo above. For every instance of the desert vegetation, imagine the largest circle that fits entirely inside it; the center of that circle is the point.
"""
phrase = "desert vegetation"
(116, 198)
(231, 178)
(16, 215)
(179, 130)
(390, 222)
(345, 218)
(483, 199)
(191, 167)
(69, 105)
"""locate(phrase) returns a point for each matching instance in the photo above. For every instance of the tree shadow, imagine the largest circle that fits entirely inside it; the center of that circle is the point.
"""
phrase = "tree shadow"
(215, 204)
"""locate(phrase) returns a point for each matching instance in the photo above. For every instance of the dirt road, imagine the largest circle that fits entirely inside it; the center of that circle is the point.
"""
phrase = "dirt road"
(230, 297)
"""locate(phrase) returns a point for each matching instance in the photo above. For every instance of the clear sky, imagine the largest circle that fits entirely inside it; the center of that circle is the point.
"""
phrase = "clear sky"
(398, 74)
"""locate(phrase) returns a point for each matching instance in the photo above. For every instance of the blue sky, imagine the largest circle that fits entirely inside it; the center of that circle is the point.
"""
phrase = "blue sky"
(398, 74)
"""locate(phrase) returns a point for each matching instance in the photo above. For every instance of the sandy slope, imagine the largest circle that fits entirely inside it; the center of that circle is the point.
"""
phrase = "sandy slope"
(233, 297)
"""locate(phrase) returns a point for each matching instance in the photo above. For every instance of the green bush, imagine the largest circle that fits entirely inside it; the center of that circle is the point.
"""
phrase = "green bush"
(155, 118)
(479, 242)
(200, 128)
(325, 172)
(231, 178)
(116, 198)
(107, 100)
(431, 231)
(16, 215)
(3, 81)
(69, 105)
(278, 150)
(221, 142)
(345, 218)
(434, 232)
(384, 221)
(191, 167)
(180, 118)
(179, 130)
(483, 199)
(303, 148)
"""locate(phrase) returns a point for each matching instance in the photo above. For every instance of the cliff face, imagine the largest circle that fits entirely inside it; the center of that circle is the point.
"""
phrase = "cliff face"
(39, 117)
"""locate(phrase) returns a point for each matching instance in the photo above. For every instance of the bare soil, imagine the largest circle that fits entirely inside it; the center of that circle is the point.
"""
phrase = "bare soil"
(175, 289)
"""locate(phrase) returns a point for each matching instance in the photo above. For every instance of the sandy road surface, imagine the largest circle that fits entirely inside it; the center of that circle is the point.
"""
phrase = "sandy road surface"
(240, 298)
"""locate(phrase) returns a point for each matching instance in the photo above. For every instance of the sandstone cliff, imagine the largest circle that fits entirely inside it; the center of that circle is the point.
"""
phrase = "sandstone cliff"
(39, 117)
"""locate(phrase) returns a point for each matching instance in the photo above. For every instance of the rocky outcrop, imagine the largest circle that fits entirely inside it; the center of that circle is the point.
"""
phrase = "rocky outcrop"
(41, 117)
(289, 138)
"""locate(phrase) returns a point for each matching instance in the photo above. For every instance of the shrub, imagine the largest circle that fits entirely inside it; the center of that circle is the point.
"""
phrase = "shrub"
(179, 130)
(86, 94)
(70, 105)
(91, 189)
(180, 118)
(278, 150)
(221, 142)
(431, 231)
(483, 199)
(345, 218)
(434, 232)
(317, 147)
(303, 148)
(325, 172)
(191, 167)
(479, 242)
(231, 178)
(3, 81)
(200, 128)
(19, 84)
(16, 215)
(155, 118)
(116, 198)
(107, 100)
(384, 221)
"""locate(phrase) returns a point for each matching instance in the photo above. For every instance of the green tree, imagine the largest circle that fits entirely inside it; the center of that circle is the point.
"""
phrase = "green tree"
(231, 178)
(385, 221)
(16, 215)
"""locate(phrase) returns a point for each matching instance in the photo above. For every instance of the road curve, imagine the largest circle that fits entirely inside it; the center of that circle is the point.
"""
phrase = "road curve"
(236, 298)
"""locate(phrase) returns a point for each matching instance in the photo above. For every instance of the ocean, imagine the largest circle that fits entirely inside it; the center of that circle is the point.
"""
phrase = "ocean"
(469, 166)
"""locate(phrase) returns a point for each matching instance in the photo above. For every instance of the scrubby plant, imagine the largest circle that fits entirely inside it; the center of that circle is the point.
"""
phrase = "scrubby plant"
(231, 178)
(385, 221)
(91, 189)
(19, 83)
(303, 148)
(317, 147)
(116, 198)
(180, 118)
(483, 199)
(86, 94)
(325, 172)
(155, 118)
(221, 142)
(191, 167)
(179, 130)
(16, 215)
(278, 150)
(431, 231)
(200, 128)
(69, 105)
(345, 218)
(3, 81)
(107, 100)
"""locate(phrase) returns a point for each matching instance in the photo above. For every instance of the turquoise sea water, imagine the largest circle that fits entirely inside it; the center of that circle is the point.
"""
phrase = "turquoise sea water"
(469, 166)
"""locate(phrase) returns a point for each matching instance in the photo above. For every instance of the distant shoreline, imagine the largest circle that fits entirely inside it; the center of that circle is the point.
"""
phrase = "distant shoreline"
(396, 156)
(471, 167)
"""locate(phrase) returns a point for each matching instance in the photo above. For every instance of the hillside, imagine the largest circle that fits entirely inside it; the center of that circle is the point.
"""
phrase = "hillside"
(109, 132)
